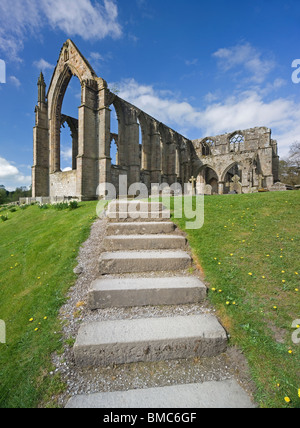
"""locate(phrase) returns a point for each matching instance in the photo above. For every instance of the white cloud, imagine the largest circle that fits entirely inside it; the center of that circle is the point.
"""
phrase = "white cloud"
(85, 18)
(66, 154)
(15, 81)
(247, 62)
(242, 111)
(43, 65)
(11, 177)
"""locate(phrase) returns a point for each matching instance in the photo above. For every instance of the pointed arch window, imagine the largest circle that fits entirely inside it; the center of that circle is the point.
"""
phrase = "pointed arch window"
(237, 142)
(207, 146)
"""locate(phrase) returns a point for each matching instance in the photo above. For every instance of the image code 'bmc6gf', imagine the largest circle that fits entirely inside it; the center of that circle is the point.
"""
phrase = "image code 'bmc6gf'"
(171, 417)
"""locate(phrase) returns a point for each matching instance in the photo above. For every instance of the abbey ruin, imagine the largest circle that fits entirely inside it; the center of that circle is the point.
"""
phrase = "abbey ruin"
(147, 150)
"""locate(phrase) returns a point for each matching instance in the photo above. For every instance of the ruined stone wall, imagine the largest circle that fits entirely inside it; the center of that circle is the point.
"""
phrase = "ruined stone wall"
(251, 152)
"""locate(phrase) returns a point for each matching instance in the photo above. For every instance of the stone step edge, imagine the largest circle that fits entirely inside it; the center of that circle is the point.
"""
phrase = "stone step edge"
(149, 339)
(212, 394)
(131, 292)
(143, 261)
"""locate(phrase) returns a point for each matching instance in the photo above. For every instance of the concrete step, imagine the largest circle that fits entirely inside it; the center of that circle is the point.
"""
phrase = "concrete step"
(127, 292)
(144, 242)
(149, 339)
(127, 206)
(144, 228)
(143, 261)
(208, 395)
(138, 216)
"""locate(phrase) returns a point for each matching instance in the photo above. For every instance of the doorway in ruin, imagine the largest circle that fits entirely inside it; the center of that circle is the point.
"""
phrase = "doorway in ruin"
(234, 171)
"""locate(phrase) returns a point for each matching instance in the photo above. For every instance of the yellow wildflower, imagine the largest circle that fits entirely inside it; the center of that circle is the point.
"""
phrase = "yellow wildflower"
(287, 399)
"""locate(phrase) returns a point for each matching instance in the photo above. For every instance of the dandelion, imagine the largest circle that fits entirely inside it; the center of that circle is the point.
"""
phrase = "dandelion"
(287, 399)
(45, 318)
(263, 277)
(290, 351)
(296, 289)
(284, 281)
(299, 393)
(283, 271)
(233, 303)
(220, 291)
(275, 307)
(268, 255)
(36, 329)
(227, 303)
(250, 273)
(31, 319)
(231, 254)
(296, 273)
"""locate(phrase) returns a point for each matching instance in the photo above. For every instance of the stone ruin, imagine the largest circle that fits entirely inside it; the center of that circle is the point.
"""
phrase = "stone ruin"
(148, 151)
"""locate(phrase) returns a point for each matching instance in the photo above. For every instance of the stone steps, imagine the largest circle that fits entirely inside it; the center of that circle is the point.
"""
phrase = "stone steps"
(138, 246)
(130, 292)
(144, 242)
(141, 228)
(139, 216)
(207, 395)
(132, 211)
(120, 262)
(152, 339)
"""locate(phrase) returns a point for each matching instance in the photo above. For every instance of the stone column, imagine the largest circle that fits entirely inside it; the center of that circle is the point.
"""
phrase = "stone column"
(87, 180)
(40, 168)
(155, 157)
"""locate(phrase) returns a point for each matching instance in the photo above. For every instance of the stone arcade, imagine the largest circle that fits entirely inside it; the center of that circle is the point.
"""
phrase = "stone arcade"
(147, 150)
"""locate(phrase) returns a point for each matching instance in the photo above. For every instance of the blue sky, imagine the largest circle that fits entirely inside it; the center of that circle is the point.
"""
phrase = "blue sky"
(202, 67)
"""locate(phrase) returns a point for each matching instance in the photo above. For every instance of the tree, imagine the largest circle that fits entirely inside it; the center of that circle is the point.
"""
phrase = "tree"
(3, 195)
(290, 168)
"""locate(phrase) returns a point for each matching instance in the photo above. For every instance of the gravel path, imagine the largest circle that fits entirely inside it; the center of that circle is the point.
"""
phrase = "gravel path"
(137, 375)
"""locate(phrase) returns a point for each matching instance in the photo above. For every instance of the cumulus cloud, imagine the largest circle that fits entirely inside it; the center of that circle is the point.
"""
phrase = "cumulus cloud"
(43, 65)
(15, 81)
(245, 110)
(11, 177)
(246, 61)
(91, 20)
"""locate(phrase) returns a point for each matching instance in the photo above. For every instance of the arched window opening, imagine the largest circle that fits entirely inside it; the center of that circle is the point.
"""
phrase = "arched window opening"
(114, 135)
(141, 153)
(207, 146)
(69, 126)
(236, 143)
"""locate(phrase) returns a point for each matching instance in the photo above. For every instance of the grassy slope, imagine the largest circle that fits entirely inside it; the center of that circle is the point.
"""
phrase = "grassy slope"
(38, 250)
(249, 250)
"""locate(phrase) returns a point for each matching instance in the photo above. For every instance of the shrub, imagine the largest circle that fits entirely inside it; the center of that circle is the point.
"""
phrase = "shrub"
(13, 209)
(73, 205)
(61, 206)
(4, 217)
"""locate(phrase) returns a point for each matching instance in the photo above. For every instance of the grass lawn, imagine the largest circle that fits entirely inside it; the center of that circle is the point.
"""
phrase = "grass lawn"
(248, 249)
(38, 250)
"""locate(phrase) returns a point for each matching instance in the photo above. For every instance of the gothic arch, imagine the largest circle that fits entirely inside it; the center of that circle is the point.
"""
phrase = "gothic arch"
(69, 64)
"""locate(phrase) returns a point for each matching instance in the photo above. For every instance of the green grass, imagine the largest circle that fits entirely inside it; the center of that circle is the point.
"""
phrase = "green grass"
(248, 249)
(38, 250)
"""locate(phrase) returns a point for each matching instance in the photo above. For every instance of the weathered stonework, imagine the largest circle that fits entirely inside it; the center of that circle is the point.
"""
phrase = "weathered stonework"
(250, 155)
(163, 155)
